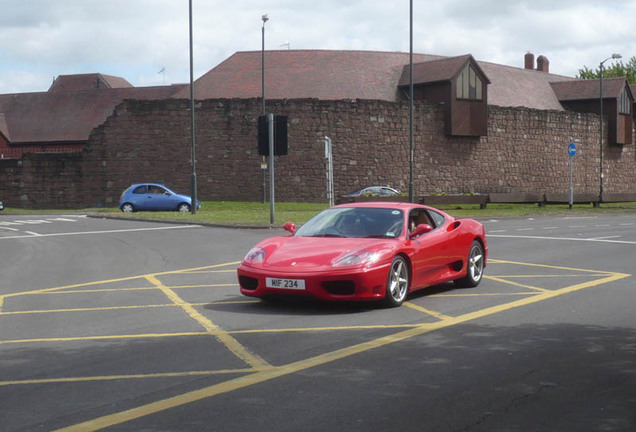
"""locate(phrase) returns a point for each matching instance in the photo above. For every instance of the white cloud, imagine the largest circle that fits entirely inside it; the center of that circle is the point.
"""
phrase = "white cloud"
(135, 39)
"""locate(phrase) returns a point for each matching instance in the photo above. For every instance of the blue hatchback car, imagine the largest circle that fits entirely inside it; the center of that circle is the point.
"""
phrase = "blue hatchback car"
(154, 196)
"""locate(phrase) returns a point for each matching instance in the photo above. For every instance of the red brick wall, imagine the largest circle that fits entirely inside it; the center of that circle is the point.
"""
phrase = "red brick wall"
(525, 151)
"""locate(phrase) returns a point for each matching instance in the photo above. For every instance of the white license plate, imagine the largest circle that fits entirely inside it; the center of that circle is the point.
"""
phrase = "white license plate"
(285, 283)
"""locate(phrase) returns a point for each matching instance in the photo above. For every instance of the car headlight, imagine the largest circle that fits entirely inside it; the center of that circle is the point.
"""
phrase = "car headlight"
(355, 259)
(256, 255)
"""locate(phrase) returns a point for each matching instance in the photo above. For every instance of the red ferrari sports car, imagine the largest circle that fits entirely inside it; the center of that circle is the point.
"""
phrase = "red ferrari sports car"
(367, 251)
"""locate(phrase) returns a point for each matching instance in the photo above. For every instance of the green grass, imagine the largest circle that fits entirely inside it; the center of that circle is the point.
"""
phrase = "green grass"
(231, 212)
(258, 214)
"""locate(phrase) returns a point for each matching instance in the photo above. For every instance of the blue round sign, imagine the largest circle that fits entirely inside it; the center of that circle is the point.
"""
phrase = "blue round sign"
(572, 149)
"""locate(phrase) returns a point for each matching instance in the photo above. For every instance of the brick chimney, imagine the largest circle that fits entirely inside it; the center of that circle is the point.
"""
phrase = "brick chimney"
(543, 64)
(529, 60)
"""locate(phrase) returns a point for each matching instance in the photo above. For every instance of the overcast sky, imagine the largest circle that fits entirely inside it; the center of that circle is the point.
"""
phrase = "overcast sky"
(146, 41)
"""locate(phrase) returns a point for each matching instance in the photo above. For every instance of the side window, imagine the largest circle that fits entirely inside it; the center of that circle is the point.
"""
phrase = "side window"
(140, 190)
(438, 219)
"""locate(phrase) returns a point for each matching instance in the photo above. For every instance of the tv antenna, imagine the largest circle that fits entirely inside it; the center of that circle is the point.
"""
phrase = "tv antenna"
(163, 73)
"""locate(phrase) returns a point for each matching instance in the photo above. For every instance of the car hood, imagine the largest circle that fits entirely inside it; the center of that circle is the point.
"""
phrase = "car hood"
(300, 254)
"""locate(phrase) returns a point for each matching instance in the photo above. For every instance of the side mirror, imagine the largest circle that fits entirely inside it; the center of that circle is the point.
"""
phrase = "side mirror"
(420, 229)
(289, 226)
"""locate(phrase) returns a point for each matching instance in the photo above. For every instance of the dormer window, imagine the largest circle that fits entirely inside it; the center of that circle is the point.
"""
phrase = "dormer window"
(469, 85)
(624, 103)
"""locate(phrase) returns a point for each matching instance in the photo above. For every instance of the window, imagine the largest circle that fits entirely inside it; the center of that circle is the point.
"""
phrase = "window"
(438, 218)
(469, 85)
(624, 103)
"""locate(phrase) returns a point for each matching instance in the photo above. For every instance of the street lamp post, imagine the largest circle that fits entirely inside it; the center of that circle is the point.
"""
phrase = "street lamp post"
(411, 193)
(193, 175)
(265, 18)
(600, 145)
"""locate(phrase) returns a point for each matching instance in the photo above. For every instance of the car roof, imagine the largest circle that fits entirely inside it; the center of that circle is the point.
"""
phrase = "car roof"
(148, 184)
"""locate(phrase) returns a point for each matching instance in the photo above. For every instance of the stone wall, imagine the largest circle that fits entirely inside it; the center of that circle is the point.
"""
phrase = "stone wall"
(525, 151)
(43, 180)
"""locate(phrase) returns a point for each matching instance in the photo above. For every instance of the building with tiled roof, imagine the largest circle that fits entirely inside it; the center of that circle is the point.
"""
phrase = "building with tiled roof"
(62, 118)
(75, 104)
(299, 74)
(374, 75)
(618, 102)
(95, 81)
(479, 127)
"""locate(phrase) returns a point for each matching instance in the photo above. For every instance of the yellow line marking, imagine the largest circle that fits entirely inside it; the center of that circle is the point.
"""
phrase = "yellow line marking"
(126, 377)
(320, 329)
(213, 271)
(123, 289)
(196, 269)
(525, 293)
(523, 276)
(204, 286)
(110, 281)
(162, 335)
(232, 344)
(275, 372)
(95, 309)
(111, 308)
(426, 311)
(103, 337)
(494, 278)
(578, 270)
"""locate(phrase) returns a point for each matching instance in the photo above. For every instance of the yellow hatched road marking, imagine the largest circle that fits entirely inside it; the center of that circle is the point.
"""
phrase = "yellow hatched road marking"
(103, 337)
(426, 311)
(232, 344)
(126, 377)
(275, 372)
(260, 370)
(498, 279)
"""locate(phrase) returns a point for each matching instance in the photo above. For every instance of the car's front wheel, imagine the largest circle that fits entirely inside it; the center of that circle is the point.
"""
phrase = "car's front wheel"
(474, 267)
(184, 207)
(127, 208)
(397, 283)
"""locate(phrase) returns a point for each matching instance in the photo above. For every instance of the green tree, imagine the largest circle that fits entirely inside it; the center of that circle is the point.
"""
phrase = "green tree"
(615, 69)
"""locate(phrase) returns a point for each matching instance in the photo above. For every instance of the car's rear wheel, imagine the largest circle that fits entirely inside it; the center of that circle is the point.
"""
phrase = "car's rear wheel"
(397, 283)
(127, 208)
(184, 207)
(474, 267)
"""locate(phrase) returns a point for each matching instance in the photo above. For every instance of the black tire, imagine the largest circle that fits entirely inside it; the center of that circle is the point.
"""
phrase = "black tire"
(127, 208)
(474, 267)
(183, 207)
(397, 282)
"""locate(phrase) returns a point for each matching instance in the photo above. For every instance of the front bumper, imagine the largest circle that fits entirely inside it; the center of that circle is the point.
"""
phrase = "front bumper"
(357, 284)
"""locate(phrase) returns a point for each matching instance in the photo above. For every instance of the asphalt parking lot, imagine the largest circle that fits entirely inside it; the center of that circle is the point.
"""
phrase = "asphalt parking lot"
(139, 326)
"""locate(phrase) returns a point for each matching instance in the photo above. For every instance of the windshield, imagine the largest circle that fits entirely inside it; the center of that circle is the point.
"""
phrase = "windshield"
(354, 222)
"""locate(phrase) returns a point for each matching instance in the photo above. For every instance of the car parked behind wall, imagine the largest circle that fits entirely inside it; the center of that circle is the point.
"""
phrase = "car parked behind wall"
(373, 191)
